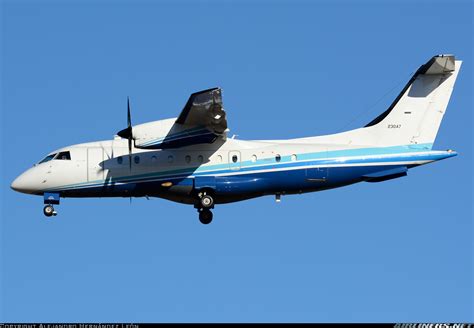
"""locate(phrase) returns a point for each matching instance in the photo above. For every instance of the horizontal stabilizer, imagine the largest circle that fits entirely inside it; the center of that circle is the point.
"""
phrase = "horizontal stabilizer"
(441, 64)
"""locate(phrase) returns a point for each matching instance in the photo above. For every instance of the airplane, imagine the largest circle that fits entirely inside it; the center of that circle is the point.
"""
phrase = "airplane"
(191, 160)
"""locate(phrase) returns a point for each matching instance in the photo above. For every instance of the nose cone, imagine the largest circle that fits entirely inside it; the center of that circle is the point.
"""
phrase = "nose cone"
(25, 183)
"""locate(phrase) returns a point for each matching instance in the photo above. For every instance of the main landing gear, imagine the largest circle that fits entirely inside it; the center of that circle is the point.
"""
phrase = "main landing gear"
(204, 206)
(205, 215)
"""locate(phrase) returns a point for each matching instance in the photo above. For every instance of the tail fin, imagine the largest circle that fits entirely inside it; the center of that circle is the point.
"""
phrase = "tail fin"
(415, 115)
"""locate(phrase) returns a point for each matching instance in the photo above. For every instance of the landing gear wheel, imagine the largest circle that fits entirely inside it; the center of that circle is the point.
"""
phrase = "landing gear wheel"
(205, 216)
(207, 201)
(48, 210)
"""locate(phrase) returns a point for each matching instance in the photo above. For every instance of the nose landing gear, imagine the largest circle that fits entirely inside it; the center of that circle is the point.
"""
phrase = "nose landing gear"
(48, 210)
(50, 199)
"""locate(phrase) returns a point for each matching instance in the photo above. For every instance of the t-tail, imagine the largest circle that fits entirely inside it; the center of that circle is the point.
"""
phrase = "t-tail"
(415, 115)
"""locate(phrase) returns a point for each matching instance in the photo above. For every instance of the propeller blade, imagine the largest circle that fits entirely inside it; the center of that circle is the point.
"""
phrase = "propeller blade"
(127, 133)
(129, 117)
(130, 134)
(130, 153)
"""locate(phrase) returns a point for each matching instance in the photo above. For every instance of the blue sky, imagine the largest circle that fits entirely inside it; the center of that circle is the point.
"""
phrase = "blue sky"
(399, 251)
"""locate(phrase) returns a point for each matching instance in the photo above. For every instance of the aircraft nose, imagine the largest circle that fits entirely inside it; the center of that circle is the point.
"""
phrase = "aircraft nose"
(24, 183)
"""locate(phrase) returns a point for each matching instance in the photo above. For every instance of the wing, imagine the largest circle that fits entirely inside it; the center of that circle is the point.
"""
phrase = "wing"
(204, 110)
(202, 120)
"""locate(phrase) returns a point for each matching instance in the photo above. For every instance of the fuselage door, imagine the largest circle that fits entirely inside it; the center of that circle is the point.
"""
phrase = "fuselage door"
(234, 160)
(318, 174)
(95, 159)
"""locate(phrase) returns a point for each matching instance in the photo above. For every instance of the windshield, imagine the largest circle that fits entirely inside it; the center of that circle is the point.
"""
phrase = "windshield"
(47, 158)
(64, 155)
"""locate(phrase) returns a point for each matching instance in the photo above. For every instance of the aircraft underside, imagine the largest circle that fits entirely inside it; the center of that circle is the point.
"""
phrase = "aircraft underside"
(234, 188)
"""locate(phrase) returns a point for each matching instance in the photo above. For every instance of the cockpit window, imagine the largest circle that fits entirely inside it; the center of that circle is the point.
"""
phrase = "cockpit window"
(47, 158)
(64, 155)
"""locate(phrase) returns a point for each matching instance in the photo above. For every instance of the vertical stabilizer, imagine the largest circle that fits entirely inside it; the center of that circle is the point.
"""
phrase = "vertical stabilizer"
(415, 115)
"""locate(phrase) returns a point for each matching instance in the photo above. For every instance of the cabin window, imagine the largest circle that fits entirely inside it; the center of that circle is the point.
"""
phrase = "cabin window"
(235, 158)
(200, 159)
(136, 159)
(119, 160)
(47, 158)
(153, 159)
(254, 158)
(170, 159)
(294, 158)
(187, 159)
(64, 155)
(219, 158)
(278, 158)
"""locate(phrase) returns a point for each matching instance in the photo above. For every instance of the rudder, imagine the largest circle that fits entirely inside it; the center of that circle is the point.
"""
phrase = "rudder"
(415, 115)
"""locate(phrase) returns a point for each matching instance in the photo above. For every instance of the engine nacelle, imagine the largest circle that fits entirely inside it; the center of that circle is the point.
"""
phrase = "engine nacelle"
(168, 134)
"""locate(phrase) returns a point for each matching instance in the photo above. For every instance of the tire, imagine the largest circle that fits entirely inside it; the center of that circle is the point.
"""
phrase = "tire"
(48, 210)
(205, 216)
(207, 201)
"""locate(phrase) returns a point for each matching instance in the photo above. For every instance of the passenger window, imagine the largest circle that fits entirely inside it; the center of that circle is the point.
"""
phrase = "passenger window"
(136, 159)
(187, 159)
(64, 155)
(219, 158)
(200, 159)
(47, 158)
(170, 159)
(234, 158)
(119, 160)
(153, 159)
(293, 158)
(278, 158)
(254, 158)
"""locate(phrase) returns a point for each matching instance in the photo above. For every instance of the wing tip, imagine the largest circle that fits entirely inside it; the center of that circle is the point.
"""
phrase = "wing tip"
(205, 91)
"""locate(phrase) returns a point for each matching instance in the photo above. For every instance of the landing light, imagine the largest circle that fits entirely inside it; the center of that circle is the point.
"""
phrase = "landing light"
(166, 184)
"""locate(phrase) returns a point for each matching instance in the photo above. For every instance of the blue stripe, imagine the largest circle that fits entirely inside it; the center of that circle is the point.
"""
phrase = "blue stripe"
(317, 159)
(194, 131)
(248, 185)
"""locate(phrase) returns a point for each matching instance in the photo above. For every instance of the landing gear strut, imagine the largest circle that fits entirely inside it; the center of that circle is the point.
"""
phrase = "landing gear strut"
(50, 199)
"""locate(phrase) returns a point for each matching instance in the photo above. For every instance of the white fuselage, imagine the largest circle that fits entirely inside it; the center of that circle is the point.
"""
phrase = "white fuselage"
(102, 168)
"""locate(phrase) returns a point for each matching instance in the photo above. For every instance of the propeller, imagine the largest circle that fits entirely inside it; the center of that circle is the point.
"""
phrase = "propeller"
(127, 133)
